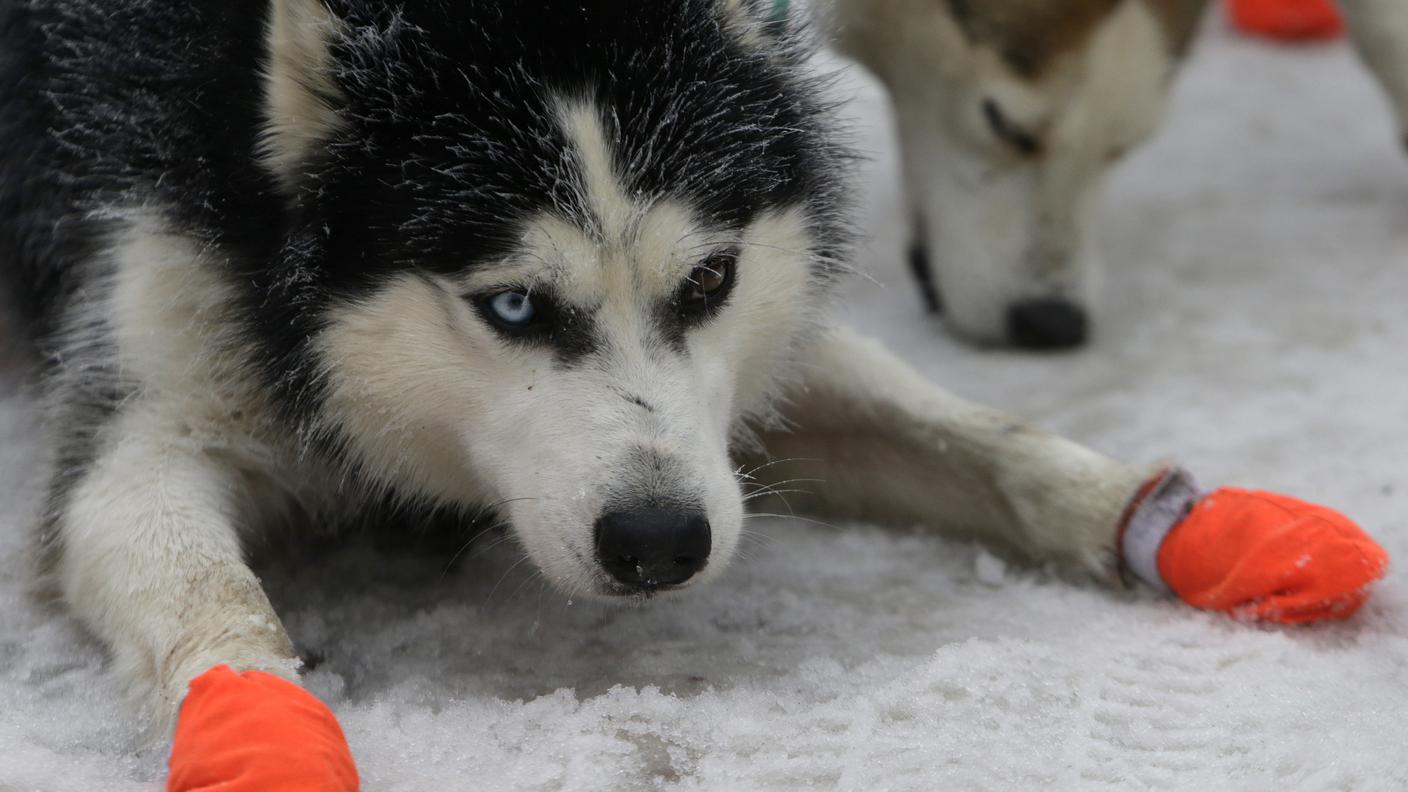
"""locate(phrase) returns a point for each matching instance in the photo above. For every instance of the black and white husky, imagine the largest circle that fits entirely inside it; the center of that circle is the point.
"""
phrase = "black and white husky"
(290, 260)
(1011, 112)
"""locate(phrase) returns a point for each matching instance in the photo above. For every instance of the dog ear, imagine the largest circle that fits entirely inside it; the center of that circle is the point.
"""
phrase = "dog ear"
(301, 94)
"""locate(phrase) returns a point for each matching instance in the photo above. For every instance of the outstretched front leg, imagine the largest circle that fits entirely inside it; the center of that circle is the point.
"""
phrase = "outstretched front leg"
(150, 558)
(893, 448)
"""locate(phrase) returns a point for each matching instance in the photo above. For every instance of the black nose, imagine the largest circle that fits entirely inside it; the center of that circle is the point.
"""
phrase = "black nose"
(1047, 323)
(652, 548)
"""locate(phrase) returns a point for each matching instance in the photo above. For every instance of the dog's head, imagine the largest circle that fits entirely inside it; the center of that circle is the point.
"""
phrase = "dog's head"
(547, 257)
(1010, 113)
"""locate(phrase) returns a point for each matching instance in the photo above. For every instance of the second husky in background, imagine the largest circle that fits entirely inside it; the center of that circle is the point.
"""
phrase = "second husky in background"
(1010, 113)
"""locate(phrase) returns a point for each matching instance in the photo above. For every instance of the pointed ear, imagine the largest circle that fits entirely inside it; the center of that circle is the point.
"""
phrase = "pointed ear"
(301, 94)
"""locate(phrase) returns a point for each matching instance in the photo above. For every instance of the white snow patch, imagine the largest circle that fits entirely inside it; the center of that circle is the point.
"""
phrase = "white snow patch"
(989, 569)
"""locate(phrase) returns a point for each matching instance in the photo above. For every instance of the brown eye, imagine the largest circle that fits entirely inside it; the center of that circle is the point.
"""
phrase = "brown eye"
(710, 278)
(708, 284)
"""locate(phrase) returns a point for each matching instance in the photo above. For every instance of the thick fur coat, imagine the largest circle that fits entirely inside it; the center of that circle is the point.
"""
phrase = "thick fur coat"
(558, 265)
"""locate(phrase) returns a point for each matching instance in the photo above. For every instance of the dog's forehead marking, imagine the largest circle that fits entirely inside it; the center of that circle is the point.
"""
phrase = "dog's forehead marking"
(628, 245)
(610, 209)
(621, 256)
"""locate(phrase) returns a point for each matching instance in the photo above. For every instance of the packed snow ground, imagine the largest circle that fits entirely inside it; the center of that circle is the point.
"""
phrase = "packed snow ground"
(1255, 330)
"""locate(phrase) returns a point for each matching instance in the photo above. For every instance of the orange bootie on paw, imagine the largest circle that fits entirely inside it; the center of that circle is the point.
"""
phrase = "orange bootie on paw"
(1287, 19)
(255, 732)
(1270, 557)
(1250, 554)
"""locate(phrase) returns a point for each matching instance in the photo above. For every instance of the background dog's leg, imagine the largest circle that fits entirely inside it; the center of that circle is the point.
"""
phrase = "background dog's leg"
(151, 560)
(890, 446)
(1380, 31)
(922, 267)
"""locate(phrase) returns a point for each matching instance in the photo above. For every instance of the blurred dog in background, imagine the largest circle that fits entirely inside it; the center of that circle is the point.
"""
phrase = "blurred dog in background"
(1011, 112)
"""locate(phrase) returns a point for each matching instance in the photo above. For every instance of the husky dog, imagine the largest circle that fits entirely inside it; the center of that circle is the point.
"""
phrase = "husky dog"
(569, 262)
(1010, 113)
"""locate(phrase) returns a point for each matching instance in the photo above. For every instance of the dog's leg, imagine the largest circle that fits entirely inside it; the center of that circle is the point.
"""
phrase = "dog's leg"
(1380, 31)
(922, 268)
(891, 447)
(151, 560)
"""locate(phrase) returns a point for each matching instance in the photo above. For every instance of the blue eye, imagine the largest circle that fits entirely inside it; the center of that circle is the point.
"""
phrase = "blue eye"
(512, 308)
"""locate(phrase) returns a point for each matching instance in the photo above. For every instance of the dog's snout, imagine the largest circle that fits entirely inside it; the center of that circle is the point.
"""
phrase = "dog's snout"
(648, 549)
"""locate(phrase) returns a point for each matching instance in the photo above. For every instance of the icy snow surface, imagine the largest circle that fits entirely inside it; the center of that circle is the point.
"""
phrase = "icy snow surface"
(1256, 329)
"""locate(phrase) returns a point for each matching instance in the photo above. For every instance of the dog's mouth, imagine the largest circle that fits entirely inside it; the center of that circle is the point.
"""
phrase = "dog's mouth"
(635, 596)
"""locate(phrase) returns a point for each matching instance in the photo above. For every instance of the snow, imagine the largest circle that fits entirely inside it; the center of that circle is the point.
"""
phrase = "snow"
(1254, 331)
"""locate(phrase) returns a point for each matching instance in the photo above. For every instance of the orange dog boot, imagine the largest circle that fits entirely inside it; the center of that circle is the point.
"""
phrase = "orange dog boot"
(1249, 554)
(1287, 19)
(255, 732)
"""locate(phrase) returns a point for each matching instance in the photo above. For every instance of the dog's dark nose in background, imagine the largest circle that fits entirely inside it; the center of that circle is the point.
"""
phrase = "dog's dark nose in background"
(648, 549)
(1047, 324)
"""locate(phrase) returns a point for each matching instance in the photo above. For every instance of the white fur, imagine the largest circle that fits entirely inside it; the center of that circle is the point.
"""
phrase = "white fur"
(298, 85)
(153, 557)
(891, 447)
(605, 195)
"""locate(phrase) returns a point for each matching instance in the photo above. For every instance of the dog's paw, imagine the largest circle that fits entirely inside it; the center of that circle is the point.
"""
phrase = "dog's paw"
(1270, 557)
(256, 732)
(1250, 554)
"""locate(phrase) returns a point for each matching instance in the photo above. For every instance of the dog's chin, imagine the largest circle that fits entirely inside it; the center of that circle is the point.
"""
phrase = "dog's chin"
(629, 597)
(596, 585)
(604, 590)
